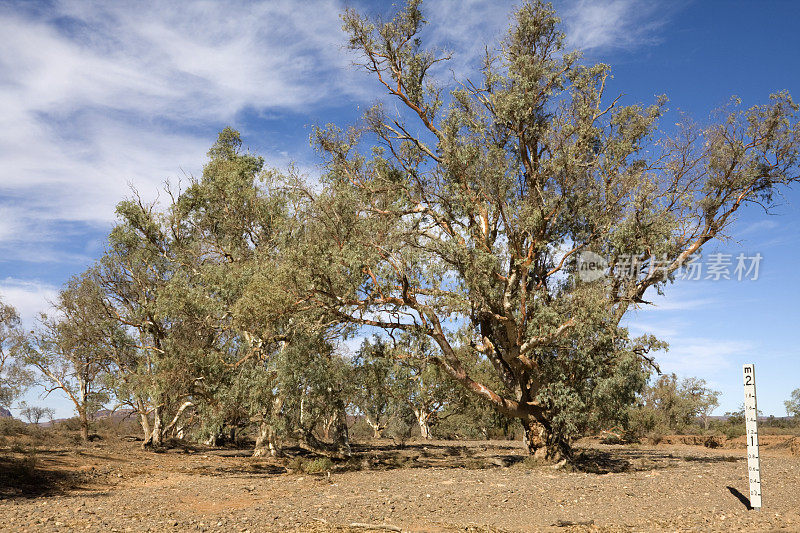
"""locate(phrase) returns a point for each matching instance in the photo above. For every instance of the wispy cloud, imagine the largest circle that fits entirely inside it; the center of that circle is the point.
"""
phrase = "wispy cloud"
(187, 61)
(675, 304)
(610, 24)
(700, 356)
(758, 227)
(704, 355)
(661, 330)
(94, 96)
(28, 297)
(466, 28)
(97, 96)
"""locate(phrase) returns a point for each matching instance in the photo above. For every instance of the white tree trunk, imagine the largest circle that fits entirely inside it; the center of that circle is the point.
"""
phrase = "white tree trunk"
(266, 443)
(157, 436)
(177, 416)
(377, 429)
(423, 420)
(144, 420)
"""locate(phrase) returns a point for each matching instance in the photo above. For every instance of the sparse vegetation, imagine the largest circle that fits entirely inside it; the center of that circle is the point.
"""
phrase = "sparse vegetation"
(317, 465)
(670, 405)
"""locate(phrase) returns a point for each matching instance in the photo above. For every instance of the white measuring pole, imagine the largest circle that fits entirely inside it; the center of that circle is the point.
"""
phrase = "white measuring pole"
(751, 425)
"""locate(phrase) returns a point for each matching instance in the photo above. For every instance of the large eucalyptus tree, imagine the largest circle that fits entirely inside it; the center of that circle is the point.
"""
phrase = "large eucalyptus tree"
(471, 207)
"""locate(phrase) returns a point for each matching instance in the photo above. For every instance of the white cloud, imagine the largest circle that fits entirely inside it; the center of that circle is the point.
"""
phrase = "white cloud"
(464, 29)
(28, 297)
(758, 227)
(674, 304)
(94, 95)
(700, 356)
(177, 61)
(705, 355)
(592, 24)
(661, 331)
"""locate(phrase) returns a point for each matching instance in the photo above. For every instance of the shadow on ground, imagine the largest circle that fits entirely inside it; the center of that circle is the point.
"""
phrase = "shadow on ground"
(23, 476)
(45, 472)
(616, 460)
(741, 497)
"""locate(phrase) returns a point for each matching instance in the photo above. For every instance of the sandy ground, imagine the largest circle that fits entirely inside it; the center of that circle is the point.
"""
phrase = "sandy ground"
(431, 486)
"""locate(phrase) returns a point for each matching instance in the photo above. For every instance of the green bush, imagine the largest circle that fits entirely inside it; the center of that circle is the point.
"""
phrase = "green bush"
(11, 427)
(733, 431)
(613, 438)
(399, 431)
(642, 421)
(296, 464)
(360, 430)
(69, 424)
(317, 465)
(531, 462)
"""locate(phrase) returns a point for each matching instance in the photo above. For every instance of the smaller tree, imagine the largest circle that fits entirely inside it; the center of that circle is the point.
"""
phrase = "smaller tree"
(421, 384)
(373, 396)
(704, 399)
(14, 378)
(670, 404)
(69, 352)
(793, 404)
(312, 385)
(397, 382)
(35, 413)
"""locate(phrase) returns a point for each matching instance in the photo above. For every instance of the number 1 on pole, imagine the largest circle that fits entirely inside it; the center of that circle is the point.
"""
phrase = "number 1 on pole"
(751, 426)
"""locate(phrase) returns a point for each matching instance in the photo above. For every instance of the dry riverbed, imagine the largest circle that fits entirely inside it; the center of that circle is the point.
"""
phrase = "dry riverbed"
(433, 486)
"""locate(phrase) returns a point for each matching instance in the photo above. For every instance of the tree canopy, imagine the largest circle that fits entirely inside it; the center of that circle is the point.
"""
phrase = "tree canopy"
(471, 209)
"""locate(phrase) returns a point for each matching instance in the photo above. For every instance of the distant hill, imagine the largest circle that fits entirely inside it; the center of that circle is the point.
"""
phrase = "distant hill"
(103, 414)
(5, 413)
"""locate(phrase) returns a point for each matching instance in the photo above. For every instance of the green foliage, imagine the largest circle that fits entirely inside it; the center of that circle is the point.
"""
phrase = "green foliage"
(375, 393)
(733, 430)
(14, 377)
(71, 349)
(793, 404)
(670, 405)
(473, 206)
(317, 465)
(10, 427)
(399, 385)
(399, 429)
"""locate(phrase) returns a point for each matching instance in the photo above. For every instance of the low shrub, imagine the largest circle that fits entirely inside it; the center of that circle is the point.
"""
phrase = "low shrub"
(11, 427)
(733, 431)
(317, 465)
(655, 436)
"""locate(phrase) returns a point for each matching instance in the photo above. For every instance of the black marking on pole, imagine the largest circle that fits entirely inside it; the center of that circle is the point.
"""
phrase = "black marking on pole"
(751, 434)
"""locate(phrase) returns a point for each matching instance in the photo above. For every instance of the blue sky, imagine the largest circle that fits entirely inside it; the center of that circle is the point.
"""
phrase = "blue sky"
(95, 97)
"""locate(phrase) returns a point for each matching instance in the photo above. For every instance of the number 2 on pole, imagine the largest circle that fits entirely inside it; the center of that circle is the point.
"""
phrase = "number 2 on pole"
(751, 426)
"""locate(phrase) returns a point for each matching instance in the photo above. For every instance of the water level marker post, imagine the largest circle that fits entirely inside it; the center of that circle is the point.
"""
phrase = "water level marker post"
(751, 427)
